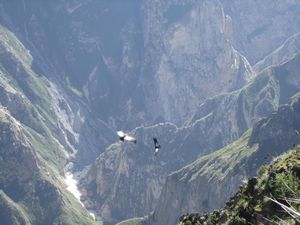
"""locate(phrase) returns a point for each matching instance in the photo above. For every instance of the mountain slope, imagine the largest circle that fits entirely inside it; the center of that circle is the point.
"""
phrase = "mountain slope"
(29, 185)
(207, 183)
(259, 27)
(143, 49)
(131, 169)
(73, 72)
(11, 213)
(262, 200)
(34, 143)
(289, 49)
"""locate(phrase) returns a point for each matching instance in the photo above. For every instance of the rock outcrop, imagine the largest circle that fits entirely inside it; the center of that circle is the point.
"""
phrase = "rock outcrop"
(268, 198)
(33, 150)
(73, 72)
(219, 121)
(149, 50)
(289, 49)
(261, 27)
(207, 184)
(31, 190)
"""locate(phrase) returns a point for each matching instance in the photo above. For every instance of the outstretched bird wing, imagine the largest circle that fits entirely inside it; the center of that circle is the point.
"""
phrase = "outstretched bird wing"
(155, 141)
(129, 138)
(121, 134)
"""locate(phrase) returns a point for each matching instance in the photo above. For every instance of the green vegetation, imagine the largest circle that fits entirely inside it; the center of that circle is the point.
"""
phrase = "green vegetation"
(9, 43)
(16, 65)
(36, 114)
(219, 164)
(74, 215)
(37, 89)
(40, 198)
(12, 212)
(265, 86)
(48, 148)
(46, 202)
(72, 88)
(133, 221)
(265, 199)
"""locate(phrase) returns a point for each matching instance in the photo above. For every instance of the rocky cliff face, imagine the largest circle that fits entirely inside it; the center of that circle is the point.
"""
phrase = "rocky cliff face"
(31, 190)
(34, 148)
(289, 49)
(211, 65)
(143, 51)
(44, 106)
(10, 212)
(254, 23)
(267, 198)
(207, 184)
(218, 122)
(72, 72)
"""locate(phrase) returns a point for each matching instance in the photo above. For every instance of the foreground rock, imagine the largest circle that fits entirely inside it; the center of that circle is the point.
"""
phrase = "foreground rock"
(265, 199)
